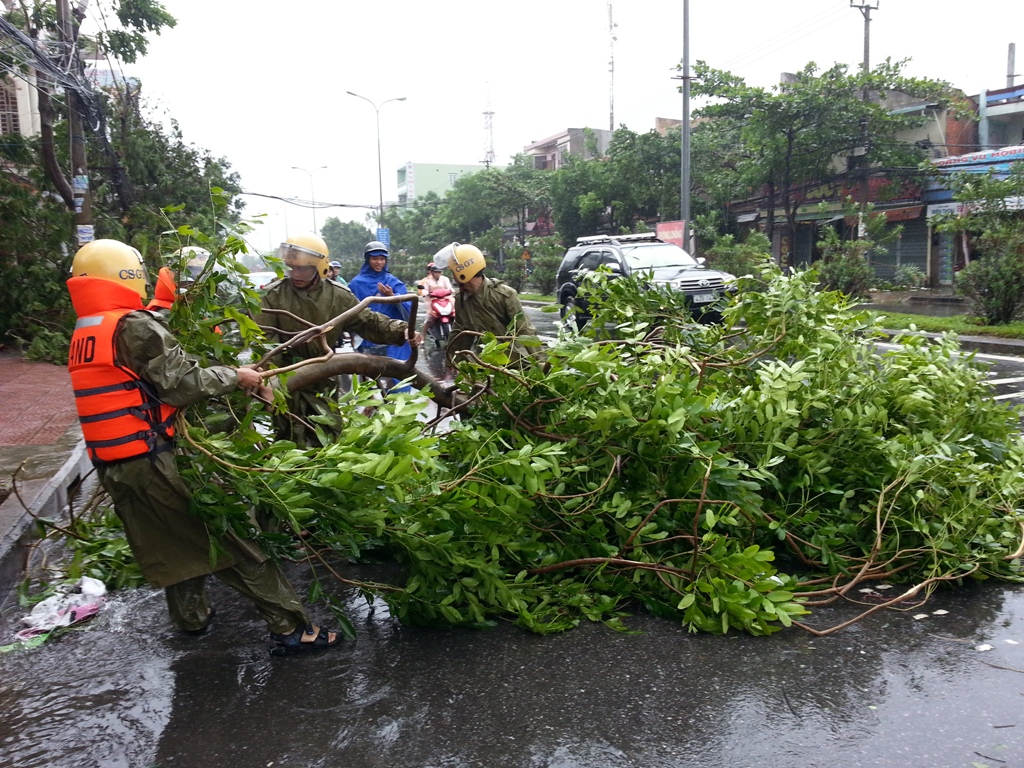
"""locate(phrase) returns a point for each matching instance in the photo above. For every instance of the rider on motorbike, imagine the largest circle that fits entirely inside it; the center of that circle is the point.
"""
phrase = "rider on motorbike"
(433, 279)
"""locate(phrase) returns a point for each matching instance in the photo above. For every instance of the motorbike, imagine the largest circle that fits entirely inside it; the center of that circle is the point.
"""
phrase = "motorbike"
(441, 313)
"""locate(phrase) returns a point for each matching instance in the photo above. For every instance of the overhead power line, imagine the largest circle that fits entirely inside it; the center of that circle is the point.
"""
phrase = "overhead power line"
(310, 203)
(810, 26)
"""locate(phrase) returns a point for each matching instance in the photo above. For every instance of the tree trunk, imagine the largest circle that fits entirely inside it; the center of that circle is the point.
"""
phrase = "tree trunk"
(46, 149)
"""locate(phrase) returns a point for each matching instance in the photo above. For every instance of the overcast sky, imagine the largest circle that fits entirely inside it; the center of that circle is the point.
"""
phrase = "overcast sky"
(264, 84)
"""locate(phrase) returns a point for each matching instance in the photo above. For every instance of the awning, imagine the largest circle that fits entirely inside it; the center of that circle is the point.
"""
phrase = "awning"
(903, 214)
(744, 218)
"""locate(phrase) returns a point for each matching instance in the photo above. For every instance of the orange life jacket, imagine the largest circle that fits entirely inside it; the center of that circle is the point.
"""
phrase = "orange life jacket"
(165, 292)
(121, 415)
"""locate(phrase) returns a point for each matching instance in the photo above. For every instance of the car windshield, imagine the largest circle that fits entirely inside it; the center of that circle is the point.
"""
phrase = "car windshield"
(653, 255)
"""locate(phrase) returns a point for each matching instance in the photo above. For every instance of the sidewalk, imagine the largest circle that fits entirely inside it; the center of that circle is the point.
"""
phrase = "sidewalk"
(41, 447)
(41, 455)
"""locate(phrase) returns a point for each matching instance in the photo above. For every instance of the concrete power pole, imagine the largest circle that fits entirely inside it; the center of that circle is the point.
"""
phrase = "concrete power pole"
(865, 9)
(611, 70)
(1011, 65)
(684, 131)
(68, 27)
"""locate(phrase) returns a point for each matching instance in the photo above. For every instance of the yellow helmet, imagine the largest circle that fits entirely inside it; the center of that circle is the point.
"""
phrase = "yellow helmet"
(112, 260)
(464, 260)
(196, 260)
(306, 250)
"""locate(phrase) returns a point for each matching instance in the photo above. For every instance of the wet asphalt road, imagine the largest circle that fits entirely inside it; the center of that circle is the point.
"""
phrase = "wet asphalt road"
(912, 688)
(893, 690)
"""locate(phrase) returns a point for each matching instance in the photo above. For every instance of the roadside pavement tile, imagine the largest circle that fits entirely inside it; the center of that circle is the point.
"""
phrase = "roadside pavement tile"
(37, 405)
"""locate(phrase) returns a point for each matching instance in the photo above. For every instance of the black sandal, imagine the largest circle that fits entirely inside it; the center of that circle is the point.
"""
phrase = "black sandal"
(293, 642)
(206, 627)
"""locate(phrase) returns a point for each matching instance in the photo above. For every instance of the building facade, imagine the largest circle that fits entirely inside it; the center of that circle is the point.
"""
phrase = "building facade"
(551, 153)
(19, 106)
(417, 179)
(903, 203)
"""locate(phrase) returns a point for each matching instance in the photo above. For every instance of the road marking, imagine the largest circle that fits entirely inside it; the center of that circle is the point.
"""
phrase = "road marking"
(1007, 358)
(1009, 396)
(965, 353)
(1015, 380)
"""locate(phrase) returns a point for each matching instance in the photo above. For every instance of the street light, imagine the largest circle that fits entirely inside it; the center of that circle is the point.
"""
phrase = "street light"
(312, 195)
(380, 175)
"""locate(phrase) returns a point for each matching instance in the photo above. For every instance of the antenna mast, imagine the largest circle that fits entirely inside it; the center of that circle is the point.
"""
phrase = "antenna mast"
(488, 130)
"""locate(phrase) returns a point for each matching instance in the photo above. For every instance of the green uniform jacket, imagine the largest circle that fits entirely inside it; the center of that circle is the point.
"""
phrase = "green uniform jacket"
(324, 301)
(495, 308)
(319, 304)
(169, 542)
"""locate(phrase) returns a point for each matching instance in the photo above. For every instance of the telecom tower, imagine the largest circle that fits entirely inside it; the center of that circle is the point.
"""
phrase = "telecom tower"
(488, 131)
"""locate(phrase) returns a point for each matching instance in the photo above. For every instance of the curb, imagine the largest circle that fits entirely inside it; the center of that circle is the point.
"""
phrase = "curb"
(43, 498)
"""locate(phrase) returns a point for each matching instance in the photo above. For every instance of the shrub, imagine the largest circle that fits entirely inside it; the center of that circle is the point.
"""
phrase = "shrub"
(546, 254)
(746, 258)
(844, 266)
(994, 284)
(907, 276)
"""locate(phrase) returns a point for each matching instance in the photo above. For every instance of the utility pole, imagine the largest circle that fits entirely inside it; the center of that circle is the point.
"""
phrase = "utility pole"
(611, 70)
(380, 174)
(68, 27)
(865, 9)
(684, 131)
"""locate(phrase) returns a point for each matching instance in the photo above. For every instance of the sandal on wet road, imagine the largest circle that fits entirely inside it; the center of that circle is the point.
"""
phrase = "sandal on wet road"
(304, 640)
(206, 627)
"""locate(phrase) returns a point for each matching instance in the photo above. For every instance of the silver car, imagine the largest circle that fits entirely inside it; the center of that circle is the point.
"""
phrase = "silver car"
(627, 255)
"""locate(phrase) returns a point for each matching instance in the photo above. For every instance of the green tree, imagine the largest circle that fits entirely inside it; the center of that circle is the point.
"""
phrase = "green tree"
(578, 198)
(164, 170)
(346, 241)
(62, 87)
(34, 256)
(416, 229)
(991, 224)
(643, 176)
(774, 140)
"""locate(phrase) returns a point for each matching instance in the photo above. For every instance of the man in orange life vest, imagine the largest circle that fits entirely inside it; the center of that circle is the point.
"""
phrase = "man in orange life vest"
(130, 376)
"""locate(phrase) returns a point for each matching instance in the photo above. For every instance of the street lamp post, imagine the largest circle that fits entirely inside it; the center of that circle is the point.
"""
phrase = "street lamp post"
(312, 194)
(380, 175)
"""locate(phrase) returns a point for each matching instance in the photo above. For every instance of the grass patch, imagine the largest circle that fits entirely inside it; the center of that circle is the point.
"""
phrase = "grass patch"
(964, 325)
(537, 297)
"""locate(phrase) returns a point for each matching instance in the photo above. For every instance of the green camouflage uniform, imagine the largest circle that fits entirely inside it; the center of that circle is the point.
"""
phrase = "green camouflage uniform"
(172, 545)
(495, 308)
(322, 302)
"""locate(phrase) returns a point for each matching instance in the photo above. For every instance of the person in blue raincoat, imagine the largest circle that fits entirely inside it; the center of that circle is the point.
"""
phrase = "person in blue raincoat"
(375, 280)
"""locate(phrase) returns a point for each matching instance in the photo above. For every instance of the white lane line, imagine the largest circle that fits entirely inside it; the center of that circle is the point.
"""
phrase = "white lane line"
(977, 355)
(1014, 380)
(1010, 396)
(1007, 358)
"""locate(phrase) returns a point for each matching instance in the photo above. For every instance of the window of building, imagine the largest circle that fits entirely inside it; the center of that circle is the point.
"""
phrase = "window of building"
(9, 122)
(451, 178)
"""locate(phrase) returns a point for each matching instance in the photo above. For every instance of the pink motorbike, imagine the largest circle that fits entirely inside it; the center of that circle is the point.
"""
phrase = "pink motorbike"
(440, 314)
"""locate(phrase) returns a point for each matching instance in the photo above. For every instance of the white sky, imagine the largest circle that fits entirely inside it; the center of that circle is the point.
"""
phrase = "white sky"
(263, 84)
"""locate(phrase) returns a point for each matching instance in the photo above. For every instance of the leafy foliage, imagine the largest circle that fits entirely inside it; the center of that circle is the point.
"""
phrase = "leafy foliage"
(772, 141)
(845, 264)
(34, 260)
(994, 279)
(728, 477)
(747, 258)
(346, 241)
